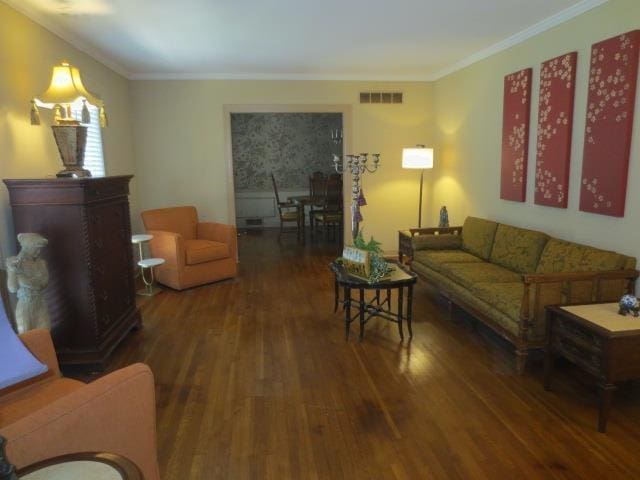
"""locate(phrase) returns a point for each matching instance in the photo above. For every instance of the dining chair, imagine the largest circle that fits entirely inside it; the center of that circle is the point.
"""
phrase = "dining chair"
(284, 211)
(331, 213)
(317, 187)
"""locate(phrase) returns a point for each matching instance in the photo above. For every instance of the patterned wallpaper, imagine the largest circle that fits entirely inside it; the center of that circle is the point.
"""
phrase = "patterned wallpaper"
(289, 145)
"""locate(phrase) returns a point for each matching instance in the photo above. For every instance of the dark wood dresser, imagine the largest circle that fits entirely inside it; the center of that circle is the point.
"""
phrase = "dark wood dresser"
(91, 292)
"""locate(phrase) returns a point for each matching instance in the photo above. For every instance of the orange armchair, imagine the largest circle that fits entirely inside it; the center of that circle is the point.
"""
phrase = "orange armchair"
(195, 252)
(50, 415)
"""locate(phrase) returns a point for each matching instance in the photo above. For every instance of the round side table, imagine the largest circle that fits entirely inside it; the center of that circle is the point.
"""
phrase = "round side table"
(146, 264)
(150, 289)
(83, 466)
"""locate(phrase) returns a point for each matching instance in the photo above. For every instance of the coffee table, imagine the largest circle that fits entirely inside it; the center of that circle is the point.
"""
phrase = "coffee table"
(380, 305)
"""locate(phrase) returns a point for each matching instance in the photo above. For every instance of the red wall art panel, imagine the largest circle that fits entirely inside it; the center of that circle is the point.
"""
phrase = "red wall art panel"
(555, 124)
(515, 135)
(610, 105)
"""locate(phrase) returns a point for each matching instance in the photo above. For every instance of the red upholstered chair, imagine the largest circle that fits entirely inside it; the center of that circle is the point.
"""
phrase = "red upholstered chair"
(195, 252)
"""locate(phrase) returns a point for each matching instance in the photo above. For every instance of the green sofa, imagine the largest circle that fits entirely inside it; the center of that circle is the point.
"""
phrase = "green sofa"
(505, 276)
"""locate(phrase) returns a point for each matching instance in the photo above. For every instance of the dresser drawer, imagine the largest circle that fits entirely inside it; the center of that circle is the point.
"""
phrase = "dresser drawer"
(579, 335)
(108, 228)
(577, 353)
(113, 288)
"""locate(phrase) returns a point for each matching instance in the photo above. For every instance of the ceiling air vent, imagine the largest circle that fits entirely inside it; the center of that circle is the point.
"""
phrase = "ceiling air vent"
(381, 97)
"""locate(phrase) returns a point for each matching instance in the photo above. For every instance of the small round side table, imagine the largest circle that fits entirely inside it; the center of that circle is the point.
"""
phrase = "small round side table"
(150, 289)
(83, 466)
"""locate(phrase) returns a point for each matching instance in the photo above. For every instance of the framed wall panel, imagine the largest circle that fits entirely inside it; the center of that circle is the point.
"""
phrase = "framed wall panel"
(610, 109)
(515, 135)
(555, 125)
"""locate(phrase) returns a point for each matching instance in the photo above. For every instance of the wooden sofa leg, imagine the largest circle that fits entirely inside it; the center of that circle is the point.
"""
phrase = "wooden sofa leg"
(521, 360)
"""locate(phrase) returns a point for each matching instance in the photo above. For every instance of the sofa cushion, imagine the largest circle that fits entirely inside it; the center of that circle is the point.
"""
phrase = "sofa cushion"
(505, 297)
(468, 297)
(201, 251)
(469, 274)
(436, 258)
(436, 242)
(561, 256)
(518, 249)
(477, 236)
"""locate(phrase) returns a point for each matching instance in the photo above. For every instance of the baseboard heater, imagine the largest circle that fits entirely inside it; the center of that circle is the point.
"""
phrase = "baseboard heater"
(253, 222)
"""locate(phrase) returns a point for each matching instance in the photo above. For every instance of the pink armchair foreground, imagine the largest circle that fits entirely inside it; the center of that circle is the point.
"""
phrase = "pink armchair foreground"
(51, 415)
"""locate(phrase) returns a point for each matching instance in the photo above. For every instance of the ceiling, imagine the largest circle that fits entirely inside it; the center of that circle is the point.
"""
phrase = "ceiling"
(290, 39)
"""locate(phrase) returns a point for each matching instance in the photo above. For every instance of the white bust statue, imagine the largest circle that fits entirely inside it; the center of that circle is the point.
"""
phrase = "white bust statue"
(27, 275)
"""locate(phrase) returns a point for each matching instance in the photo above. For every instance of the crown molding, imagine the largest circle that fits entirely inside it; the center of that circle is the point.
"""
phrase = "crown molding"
(64, 34)
(278, 76)
(540, 27)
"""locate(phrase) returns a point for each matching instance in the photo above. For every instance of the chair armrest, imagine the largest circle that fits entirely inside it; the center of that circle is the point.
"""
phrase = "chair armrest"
(40, 345)
(168, 245)
(115, 413)
(217, 232)
(220, 232)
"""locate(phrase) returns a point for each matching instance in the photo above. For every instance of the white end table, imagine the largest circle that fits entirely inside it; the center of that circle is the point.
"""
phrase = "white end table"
(146, 264)
(150, 289)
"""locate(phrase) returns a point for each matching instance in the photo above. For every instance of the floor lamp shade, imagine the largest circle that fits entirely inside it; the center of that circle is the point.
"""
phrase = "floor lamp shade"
(418, 158)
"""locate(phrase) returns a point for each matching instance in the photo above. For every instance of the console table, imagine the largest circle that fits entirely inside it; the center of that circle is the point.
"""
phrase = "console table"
(598, 340)
(91, 292)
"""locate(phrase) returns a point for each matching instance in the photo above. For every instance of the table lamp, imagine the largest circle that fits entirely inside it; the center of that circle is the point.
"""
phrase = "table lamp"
(418, 157)
(66, 93)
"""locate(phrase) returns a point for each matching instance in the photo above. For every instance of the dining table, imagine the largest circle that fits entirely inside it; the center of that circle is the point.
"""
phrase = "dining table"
(301, 201)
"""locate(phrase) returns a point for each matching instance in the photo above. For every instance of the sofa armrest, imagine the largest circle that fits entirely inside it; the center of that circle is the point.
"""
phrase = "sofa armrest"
(565, 288)
(436, 231)
(436, 242)
(115, 414)
(39, 343)
(168, 245)
(220, 232)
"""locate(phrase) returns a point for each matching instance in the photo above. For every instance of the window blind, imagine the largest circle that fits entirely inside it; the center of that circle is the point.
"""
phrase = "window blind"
(93, 155)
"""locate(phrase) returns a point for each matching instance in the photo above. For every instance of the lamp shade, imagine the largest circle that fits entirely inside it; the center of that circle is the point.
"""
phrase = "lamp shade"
(417, 157)
(66, 88)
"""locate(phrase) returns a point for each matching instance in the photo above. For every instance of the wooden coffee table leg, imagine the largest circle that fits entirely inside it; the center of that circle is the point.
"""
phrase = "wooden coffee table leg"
(606, 392)
(410, 310)
(347, 311)
(400, 306)
(362, 309)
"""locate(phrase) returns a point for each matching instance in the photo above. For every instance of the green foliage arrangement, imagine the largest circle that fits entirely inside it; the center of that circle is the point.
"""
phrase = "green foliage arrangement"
(379, 266)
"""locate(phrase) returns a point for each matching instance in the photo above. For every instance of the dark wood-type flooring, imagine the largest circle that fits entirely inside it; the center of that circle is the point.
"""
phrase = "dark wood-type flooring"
(255, 380)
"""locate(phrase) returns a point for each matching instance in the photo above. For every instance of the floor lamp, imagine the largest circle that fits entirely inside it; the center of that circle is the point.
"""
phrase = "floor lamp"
(422, 158)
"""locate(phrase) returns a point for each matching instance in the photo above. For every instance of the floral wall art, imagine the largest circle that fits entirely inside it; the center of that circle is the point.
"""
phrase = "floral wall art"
(555, 124)
(515, 135)
(610, 108)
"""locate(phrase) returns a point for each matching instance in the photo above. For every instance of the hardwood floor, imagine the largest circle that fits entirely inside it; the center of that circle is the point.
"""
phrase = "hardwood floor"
(255, 380)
